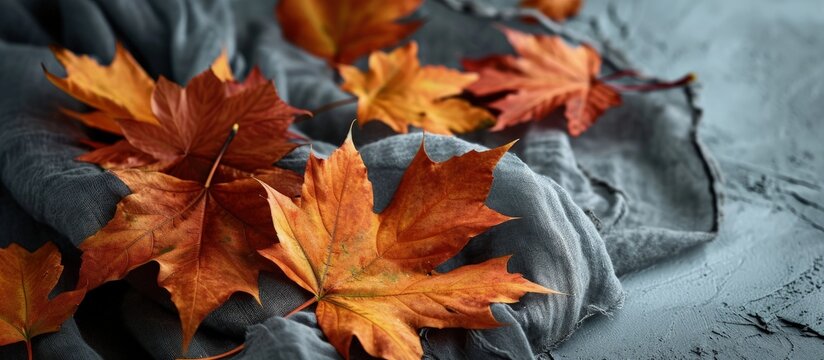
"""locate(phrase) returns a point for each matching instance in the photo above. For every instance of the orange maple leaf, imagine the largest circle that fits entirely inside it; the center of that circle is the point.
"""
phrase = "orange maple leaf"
(192, 124)
(340, 31)
(399, 92)
(558, 10)
(547, 74)
(373, 275)
(204, 237)
(120, 90)
(26, 279)
(200, 219)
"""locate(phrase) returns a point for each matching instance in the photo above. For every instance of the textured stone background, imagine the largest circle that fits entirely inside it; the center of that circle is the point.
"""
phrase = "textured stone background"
(757, 291)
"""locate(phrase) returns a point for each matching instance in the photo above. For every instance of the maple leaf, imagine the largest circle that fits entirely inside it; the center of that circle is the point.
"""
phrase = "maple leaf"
(558, 10)
(122, 89)
(26, 279)
(340, 31)
(399, 92)
(192, 124)
(204, 237)
(373, 275)
(547, 74)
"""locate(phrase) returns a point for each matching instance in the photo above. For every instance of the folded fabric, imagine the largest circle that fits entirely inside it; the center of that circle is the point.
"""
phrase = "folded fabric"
(641, 170)
(639, 173)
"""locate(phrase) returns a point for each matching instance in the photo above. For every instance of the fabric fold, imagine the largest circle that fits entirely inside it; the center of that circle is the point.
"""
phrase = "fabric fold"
(619, 173)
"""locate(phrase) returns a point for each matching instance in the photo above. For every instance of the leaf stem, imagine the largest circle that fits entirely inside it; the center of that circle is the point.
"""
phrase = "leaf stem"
(305, 305)
(28, 349)
(226, 143)
(326, 107)
(657, 85)
(622, 74)
(335, 104)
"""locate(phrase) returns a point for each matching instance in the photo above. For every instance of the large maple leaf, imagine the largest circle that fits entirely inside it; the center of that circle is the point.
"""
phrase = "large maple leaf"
(121, 89)
(204, 237)
(192, 124)
(26, 279)
(546, 75)
(373, 275)
(340, 31)
(400, 92)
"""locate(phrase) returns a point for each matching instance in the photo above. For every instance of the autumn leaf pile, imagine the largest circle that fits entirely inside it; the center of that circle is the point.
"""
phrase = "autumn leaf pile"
(208, 206)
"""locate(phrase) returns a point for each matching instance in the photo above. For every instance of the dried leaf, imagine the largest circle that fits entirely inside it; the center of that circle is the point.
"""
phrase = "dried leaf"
(26, 279)
(399, 92)
(192, 126)
(204, 238)
(373, 275)
(203, 231)
(558, 10)
(121, 90)
(546, 75)
(340, 31)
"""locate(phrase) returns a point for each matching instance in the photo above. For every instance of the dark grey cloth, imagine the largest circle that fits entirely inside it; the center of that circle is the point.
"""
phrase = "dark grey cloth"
(296, 338)
(652, 195)
(641, 169)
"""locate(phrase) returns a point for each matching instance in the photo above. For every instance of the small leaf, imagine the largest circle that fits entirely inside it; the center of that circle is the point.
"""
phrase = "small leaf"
(26, 279)
(399, 92)
(120, 90)
(546, 75)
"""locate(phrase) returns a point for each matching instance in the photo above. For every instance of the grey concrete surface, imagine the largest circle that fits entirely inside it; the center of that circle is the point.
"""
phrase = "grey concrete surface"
(757, 291)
